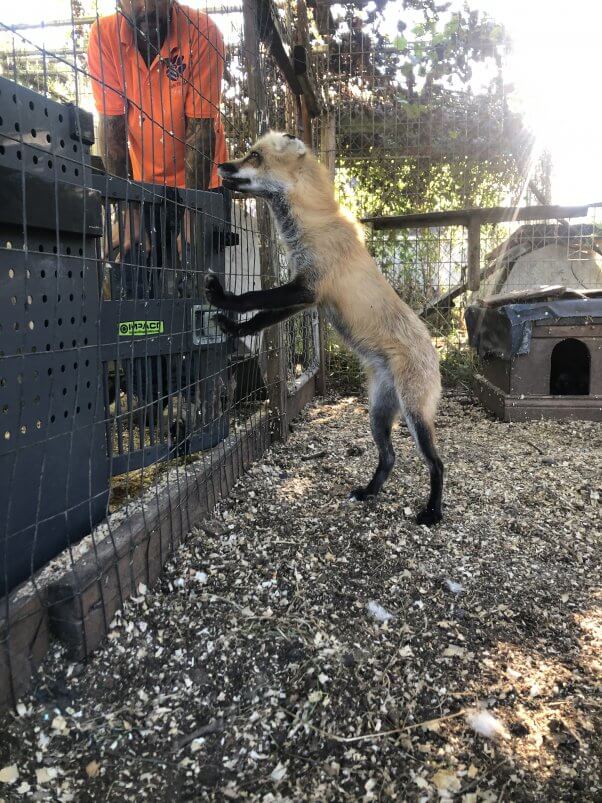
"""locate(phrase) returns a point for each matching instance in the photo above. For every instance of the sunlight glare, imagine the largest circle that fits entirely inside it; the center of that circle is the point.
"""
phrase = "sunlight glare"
(556, 68)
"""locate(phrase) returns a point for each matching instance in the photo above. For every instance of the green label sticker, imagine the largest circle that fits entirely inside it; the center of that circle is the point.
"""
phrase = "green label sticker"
(136, 328)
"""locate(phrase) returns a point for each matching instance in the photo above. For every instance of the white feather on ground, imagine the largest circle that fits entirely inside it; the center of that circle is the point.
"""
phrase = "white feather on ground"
(451, 585)
(378, 612)
(483, 723)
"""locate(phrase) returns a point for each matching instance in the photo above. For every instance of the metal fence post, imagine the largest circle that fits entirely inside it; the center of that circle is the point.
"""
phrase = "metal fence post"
(275, 367)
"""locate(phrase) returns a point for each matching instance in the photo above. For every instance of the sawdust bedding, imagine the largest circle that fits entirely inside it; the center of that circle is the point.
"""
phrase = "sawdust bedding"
(301, 648)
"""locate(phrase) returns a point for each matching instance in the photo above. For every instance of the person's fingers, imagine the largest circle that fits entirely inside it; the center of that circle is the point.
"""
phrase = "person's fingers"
(126, 232)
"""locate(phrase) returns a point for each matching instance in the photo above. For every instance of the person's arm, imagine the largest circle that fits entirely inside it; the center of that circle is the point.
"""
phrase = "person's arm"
(203, 93)
(203, 96)
(112, 143)
(200, 150)
(113, 147)
(108, 89)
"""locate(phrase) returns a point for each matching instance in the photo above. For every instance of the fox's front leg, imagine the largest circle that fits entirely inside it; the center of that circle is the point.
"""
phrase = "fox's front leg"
(255, 324)
(292, 294)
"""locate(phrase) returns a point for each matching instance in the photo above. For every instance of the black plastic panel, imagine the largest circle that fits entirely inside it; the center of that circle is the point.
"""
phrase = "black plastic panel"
(505, 331)
(164, 366)
(52, 453)
(39, 136)
(95, 379)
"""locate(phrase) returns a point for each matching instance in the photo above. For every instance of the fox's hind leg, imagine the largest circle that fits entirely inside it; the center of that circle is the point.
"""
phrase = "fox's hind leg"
(422, 432)
(384, 407)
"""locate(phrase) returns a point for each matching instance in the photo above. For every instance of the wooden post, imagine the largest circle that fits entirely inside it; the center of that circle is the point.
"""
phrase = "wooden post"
(306, 124)
(474, 253)
(301, 39)
(290, 111)
(272, 337)
(328, 143)
(252, 64)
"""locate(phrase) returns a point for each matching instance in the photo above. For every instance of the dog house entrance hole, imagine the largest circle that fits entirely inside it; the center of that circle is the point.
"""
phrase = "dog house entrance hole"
(570, 369)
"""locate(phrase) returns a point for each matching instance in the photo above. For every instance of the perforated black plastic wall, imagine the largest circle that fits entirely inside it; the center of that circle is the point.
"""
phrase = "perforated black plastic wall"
(54, 487)
(166, 388)
(94, 381)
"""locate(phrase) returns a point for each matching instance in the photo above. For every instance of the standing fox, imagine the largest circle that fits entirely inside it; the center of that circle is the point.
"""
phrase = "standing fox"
(333, 269)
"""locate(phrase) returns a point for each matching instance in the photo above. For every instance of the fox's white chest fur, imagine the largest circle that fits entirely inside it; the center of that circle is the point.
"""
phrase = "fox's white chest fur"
(290, 233)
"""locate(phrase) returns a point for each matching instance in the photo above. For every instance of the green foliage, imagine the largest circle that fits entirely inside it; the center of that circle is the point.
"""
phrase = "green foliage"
(458, 364)
(386, 185)
(344, 370)
(443, 48)
(415, 129)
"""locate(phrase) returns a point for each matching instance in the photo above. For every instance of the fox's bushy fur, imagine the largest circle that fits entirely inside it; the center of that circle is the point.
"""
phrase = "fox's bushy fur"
(333, 269)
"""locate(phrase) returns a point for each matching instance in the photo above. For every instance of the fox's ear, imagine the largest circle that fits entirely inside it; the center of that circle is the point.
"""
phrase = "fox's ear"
(294, 142)
(301, 147)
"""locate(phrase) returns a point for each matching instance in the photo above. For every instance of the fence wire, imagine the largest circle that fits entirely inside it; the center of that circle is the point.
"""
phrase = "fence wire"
(124, 412)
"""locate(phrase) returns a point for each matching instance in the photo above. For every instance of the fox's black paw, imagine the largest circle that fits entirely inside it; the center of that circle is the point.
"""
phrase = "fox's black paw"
(227, 326)
(214, 292)
(360, 494)
(429, 517)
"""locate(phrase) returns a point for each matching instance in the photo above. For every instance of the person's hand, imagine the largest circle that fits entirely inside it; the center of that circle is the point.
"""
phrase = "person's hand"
(129, 226)
(183, 238)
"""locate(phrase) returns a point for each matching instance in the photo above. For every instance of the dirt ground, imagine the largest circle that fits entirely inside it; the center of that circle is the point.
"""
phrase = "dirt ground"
(302, 648)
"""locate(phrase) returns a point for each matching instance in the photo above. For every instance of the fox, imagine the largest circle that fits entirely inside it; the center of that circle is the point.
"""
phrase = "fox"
(332, 269)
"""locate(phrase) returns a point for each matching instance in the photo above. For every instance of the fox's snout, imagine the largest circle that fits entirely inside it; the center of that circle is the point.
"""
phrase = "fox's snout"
(227, 169)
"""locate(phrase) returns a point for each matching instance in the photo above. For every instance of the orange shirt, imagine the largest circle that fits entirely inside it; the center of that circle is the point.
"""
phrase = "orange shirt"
(183, 81)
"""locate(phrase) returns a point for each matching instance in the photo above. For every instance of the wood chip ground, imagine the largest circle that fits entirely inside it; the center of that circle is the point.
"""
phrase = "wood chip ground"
(301, 648)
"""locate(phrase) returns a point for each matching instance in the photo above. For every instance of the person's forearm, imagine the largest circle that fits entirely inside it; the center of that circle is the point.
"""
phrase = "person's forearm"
(200, 148)
(113, 144)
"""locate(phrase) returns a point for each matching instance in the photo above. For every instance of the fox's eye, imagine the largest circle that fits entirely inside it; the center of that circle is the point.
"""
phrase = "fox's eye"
(255, 155)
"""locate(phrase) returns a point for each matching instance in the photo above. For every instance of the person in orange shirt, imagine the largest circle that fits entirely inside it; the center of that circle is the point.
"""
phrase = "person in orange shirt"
(156, 69)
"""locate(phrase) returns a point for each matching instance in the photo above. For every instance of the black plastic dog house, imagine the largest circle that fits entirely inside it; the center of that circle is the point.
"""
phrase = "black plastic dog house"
(541, 357)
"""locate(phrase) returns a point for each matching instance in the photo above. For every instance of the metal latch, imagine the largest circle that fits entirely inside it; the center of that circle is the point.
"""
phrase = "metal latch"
(205, 331)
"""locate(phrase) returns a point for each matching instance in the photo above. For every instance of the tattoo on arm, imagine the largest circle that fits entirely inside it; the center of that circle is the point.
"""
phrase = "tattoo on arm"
(200, 149)
(113, 144)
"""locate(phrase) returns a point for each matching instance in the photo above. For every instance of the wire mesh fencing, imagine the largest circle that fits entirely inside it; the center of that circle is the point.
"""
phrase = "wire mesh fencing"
(420, 118)
(431, 264)
(125, 411)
